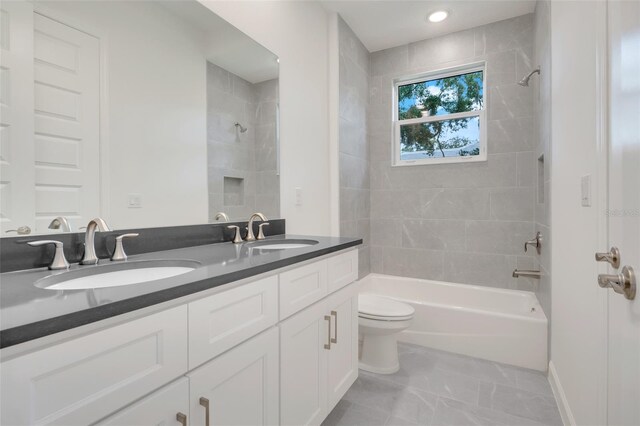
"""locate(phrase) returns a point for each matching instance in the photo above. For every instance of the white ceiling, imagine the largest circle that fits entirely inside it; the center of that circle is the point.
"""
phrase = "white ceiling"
(225, 45)
(383, 24)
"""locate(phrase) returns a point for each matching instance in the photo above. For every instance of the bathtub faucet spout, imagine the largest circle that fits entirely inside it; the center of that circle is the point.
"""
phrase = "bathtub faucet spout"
(526, 273)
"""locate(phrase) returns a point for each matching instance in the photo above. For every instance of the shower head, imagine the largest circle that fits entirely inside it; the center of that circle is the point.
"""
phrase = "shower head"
(240, 127)
(525, 81)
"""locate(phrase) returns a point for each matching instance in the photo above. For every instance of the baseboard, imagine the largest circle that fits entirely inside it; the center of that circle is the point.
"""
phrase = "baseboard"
(561, 398)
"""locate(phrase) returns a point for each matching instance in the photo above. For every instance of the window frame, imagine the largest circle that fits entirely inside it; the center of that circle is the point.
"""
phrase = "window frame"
(435, 75)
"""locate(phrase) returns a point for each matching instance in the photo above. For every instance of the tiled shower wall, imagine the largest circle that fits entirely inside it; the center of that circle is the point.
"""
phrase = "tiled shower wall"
(542, 159)
(353, 146)
(468, 222)
(247, 160)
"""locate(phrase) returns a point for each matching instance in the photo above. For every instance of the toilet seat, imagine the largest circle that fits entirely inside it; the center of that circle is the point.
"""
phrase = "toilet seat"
(380, 308)
(382, 318)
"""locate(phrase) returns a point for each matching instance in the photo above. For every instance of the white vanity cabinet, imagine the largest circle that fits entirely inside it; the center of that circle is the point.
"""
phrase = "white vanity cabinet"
(228, 358)
(319, 357)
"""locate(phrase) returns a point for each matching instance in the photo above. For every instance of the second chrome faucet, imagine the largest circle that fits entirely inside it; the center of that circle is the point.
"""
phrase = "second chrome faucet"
(250, 234)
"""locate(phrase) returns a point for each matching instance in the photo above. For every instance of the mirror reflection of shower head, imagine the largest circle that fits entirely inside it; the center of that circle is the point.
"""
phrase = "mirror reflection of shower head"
(240, 127)
(525, 81)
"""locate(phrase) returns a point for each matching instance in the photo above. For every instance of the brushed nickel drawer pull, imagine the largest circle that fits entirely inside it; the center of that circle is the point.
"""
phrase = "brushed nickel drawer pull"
(205, 403)
(182, 418)
(328, 344)
(335, 327)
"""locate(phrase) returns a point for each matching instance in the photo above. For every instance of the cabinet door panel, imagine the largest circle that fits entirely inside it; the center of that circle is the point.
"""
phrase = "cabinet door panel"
(343, 356)
(221, 321)
(301, 287)
(85, 379)
(343, 270)
(159, 408)
(241, 384)
(303, 379)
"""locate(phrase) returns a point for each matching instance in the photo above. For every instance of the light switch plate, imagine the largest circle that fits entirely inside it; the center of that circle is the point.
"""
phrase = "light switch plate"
(134, 201)
(586, 191)
(298, 196)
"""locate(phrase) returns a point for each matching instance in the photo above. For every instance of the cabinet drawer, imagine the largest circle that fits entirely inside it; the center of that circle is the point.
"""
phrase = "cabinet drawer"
(86, 379)
(302, 287)
(159, 408)
(343, 270)
(221, 321)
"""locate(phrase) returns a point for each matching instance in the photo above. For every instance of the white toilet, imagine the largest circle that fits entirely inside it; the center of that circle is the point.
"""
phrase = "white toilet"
(380, 319)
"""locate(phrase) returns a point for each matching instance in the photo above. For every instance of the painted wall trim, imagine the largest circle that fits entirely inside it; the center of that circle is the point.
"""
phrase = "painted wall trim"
(561, 398)
(334, 128)
(602, 193)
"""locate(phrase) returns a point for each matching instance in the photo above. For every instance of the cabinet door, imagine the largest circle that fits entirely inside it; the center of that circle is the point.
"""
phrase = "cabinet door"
(83, 380)
(159, 408)
(303, 379)
(240, 387)
(343, 355)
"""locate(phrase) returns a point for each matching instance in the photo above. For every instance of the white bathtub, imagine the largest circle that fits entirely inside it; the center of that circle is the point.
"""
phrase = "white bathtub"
(506, 326)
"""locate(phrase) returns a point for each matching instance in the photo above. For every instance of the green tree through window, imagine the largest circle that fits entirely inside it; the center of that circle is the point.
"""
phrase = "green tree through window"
(440, 97)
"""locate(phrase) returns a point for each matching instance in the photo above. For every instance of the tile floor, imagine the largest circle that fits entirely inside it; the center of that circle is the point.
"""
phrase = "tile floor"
(441, 388)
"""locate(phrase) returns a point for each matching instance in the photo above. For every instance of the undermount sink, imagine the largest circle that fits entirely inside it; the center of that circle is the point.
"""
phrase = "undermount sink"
(286, 244)
(117, 274)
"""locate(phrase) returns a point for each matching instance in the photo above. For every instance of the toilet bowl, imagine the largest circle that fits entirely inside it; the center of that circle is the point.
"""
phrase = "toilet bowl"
(380, 319)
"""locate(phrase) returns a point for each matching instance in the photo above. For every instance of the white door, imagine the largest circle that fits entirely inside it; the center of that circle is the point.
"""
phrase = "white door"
(240, 387)
(17, 174)
(67, 123)
(303, 371)
(343, 355)
(167, 406)
(623, 405)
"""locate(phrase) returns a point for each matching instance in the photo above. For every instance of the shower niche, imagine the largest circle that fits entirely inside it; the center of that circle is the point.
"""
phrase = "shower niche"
(233, 194)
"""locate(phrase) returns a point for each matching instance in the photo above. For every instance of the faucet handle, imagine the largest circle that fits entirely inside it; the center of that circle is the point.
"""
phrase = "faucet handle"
(536, 242)
(59, 261)
(118, 252)
(260, 232)
(237, 237)
(23, 230)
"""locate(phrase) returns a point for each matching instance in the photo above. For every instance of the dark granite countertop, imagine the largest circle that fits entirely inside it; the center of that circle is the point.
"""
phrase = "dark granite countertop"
(28, 312)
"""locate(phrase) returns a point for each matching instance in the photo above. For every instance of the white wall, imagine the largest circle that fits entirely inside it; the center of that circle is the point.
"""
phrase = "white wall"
(577, 337)
(156, 93)
(298, 33)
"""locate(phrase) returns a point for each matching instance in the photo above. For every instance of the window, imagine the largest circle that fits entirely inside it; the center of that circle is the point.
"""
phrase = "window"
(439, 117)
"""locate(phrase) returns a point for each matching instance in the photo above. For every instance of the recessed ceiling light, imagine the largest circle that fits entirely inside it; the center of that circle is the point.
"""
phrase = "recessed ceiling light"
(438, 16)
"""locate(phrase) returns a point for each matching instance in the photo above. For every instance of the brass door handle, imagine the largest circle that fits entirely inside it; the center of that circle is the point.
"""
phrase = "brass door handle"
(335, 327)
(205, 403)
(328, 344)
(182, 418)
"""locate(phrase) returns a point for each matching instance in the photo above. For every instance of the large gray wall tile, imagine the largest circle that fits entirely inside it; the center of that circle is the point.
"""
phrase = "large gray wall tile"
(434, 234)
(476, 216)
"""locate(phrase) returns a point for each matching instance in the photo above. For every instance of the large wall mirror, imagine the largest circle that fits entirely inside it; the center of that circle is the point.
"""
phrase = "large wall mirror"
(145, 113)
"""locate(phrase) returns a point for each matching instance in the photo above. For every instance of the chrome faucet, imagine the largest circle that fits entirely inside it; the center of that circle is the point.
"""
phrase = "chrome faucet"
(221, 215)
(90, 257)
(250, 235)
(60, 222)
